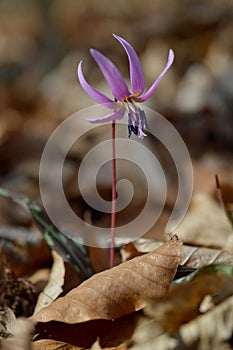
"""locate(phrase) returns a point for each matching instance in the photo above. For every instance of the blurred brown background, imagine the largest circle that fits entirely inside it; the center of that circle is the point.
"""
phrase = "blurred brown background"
(41, 43)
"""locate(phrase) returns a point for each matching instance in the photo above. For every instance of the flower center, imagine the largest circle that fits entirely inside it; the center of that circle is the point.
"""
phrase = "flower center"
(136, 117)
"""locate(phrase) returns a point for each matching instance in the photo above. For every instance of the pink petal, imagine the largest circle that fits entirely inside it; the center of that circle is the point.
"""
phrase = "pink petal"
(92, 92)
(136, 73)
(112, 75)
(152, 89)
(117, 115)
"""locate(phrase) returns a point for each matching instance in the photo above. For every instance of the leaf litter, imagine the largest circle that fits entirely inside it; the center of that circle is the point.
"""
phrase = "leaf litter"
(191, 256)
(197, 100)
(118, 291)
(110, 309)
(71, 250)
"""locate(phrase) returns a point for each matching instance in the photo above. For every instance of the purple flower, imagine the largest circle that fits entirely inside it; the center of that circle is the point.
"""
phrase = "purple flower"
(124, 100)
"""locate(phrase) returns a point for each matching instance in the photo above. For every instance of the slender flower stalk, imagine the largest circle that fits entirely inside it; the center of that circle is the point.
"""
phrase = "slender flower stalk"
(124, 101)
(113, 213)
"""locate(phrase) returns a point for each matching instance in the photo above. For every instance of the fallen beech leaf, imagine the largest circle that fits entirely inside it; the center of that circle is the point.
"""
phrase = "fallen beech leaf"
(194, 257)
(54, 286)
(129, 251)
(109, 333)
(118, 291)
(48, 344)
(182, 303)
(206, 224)
(197, 257)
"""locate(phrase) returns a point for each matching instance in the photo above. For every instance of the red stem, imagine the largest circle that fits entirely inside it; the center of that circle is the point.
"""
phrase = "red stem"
(113, 213)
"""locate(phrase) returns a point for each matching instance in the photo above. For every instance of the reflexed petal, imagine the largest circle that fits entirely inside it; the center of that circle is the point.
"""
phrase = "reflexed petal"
(92, 92)
(110, 117)
(152, 89)
(112, 75)
(136, 73)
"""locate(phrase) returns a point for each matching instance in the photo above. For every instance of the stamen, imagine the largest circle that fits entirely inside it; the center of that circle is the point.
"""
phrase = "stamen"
(137, 121)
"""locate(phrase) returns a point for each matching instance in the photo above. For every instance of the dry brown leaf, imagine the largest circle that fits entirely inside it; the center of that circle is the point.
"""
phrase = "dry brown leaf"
(118, 291)
(54, 286)
(195, 257)
(48, 344)
(99, 258)
(129, 251)
(182, 303)
(21, 339)
(7, 322)
(210, 330)
(21, 248)
(206, 224)
(109, 333)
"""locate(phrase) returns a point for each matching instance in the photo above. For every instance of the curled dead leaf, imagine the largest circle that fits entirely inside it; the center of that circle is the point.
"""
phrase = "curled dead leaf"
(54, 285)
(118, 291)
(194, 257)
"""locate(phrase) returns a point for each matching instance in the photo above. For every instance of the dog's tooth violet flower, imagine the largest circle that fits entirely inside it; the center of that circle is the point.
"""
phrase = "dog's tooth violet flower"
(124, 100)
